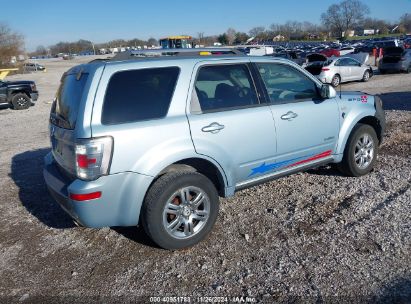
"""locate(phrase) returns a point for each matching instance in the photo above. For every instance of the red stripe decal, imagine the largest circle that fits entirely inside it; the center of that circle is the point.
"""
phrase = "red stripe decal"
(315, 157)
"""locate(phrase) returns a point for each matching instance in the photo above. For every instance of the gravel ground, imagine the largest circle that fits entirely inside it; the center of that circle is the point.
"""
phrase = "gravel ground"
(314, 237)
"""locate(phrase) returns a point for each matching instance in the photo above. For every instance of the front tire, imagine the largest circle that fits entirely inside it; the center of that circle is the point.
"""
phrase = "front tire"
(180, 209)
(360, 151)
(20, 101)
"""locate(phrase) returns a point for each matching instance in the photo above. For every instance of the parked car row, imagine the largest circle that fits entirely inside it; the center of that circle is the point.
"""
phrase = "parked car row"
(322, 59)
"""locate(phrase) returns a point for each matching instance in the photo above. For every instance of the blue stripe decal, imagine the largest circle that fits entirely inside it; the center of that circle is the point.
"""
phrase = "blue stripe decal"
(263, 168)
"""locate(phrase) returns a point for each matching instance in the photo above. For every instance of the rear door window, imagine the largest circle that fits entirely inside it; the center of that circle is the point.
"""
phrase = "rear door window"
(224, 87)
(69, 94)
(138, 95)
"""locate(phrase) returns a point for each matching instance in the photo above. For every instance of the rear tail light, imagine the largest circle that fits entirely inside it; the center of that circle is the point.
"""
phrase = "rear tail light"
(93, 157)
(325, 69)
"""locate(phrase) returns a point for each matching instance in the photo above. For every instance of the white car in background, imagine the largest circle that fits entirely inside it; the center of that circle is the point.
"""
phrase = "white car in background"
(336, 70)
(346, 50)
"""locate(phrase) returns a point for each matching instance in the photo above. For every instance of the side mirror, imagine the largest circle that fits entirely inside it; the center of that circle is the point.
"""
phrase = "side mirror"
(327, 91)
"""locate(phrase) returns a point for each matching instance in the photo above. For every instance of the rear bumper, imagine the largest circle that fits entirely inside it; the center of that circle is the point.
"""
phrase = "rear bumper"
(119, 204)
(399, 66)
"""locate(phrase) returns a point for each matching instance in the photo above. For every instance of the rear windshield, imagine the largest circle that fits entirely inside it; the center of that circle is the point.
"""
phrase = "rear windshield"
(138, 95)
(65, 110)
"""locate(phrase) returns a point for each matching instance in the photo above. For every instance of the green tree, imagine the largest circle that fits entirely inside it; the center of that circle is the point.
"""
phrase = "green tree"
(240, 38)
(344, 16)
(223, 39)
(11, 44)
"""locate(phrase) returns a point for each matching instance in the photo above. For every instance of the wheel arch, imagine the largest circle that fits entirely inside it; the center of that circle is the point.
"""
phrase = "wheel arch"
(204, 166)
(17, 91)
(347, 130)
(374, 123)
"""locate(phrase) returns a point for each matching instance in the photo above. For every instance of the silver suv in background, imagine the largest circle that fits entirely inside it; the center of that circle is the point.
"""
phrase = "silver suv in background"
(157, 138)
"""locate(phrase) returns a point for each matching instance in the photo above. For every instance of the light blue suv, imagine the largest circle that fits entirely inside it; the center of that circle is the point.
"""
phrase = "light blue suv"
(157, 140)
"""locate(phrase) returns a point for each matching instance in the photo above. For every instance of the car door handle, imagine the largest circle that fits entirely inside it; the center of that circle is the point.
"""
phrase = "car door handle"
(214, 127)
(289, 115)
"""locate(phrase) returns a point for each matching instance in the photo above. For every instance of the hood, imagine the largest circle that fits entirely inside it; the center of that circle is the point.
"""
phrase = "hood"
(360, 57)
(19, 83)
(352, 93)
(355, 96)
(316, 57)
(393, 51)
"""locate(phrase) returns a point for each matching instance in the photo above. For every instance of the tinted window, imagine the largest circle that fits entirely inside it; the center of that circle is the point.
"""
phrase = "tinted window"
(224, 87)
(139, 95)
(341, 62)
(286, 84)
(65, 110)
(352, 62)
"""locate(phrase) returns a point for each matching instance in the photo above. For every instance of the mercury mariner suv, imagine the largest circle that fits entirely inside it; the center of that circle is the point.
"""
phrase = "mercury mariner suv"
(155, 138)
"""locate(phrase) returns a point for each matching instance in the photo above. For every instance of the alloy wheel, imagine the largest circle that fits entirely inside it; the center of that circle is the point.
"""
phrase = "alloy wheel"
(186, 212)
(364, 151)
(21, 101)
(336, 81)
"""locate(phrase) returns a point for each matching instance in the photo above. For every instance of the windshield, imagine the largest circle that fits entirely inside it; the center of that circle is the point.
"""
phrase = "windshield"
(65, 110)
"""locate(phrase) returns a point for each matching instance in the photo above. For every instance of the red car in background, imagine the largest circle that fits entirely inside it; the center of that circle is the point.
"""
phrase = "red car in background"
(330, 52)
(407, 43)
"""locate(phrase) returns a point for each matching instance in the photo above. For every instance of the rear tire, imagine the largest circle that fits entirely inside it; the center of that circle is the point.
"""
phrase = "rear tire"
(360, 152)
(336, 80)
(180, 209)
(382, 72)
(20, 101)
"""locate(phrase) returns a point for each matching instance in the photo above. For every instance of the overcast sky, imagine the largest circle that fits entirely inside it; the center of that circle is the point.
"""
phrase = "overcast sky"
(47, 22)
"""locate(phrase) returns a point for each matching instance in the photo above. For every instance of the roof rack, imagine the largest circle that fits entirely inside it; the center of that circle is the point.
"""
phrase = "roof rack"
(138, 54)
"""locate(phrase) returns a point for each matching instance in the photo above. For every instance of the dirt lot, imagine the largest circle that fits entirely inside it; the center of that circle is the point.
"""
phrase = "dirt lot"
(312, 237)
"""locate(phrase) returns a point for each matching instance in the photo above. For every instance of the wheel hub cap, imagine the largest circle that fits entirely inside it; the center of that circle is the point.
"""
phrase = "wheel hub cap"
(186, 212)
(364, 151)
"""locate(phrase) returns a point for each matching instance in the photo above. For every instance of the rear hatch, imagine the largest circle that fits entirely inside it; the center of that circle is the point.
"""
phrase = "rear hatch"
(392, 55)
(63, 118)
